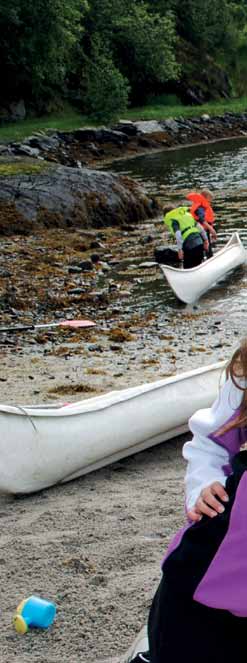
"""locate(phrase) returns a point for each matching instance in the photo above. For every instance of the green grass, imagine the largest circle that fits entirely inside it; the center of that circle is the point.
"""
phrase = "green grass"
(23, 168)
(161, 112)
(70, 119)
(63, 121)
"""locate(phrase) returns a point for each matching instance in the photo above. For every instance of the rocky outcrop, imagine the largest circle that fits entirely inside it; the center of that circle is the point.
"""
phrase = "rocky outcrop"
(91, 146)
(202, 79)
(57, 196)
(12, 111)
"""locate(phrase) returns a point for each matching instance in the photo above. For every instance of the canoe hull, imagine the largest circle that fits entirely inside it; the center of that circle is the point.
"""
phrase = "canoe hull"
(190, 284)
(140, 645)
(43, 446)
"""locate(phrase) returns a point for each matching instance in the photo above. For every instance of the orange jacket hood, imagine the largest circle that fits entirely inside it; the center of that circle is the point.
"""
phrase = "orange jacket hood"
(200, 201)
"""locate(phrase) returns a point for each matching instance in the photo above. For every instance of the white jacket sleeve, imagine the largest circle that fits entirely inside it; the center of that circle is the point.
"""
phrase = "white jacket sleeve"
(207, 459)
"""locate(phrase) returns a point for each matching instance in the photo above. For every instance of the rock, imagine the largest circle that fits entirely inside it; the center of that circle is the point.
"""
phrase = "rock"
(147, 264)
(111, 136)
(105, 267)
(39, 194)
(73, 269)
(127, 127)
(82, 135)
(128, 228)
(25, 149)
(205, 117)
(148, 126)
(4, 149)
(45, 143)
(147, 239)
(96, 151)
(190, 96)
(171, 124)
(17, 110)
(146, 142)
(96, 245)
(76, 291)
(166, 256)
(5, 275)
(85, 265)
(95, 258)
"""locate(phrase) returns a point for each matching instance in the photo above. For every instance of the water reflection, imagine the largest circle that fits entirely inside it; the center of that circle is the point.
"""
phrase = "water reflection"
(220, 166)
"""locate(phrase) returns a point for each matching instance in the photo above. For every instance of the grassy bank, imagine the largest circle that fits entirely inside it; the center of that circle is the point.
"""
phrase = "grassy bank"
(163, 112)
(71, 119)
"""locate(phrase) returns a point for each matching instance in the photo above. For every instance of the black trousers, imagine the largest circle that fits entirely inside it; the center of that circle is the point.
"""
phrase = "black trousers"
(180, 628)
(193, 257)
(210, 250)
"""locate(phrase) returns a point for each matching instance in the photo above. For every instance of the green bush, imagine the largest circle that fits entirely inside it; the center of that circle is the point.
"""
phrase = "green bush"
(107, 89)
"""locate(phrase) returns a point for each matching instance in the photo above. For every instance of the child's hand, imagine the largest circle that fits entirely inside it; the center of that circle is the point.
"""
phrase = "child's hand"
(213, 233)
(207, 503)
(180, 254)
(206, 245)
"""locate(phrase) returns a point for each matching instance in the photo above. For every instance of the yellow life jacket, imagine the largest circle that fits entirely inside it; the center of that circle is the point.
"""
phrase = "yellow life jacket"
(186, 222)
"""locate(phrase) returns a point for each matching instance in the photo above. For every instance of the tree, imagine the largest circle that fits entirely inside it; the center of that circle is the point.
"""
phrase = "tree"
(37, 40)
(205, 24)
(141, 42)
(107, 90)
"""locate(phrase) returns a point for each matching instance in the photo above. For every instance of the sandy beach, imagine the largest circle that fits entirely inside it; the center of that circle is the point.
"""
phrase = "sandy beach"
(93, 546)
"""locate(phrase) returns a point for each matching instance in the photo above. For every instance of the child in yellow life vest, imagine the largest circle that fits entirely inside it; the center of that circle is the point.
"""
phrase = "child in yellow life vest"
(202, 212)
(190, 236)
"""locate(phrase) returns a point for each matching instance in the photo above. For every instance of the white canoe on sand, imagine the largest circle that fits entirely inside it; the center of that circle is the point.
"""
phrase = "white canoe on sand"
(44, 445)
(140, 645)
(190, 284)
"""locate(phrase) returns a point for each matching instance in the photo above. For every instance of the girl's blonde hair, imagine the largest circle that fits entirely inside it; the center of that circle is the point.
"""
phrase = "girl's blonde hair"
(237, 370)
(207, 193)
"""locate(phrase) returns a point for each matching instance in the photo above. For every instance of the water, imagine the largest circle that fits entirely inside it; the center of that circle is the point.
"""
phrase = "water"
(221, 167)
(220, 316)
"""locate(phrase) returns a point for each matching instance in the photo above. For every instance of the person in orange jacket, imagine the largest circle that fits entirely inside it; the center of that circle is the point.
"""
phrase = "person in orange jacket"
(203, 213)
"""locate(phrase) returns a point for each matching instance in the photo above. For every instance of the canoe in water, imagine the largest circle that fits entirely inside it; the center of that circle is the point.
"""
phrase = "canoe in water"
(44, 445)
(190, 284)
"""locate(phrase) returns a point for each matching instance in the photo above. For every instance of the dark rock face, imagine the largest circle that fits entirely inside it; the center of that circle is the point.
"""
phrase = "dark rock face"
(166, 256)
(67, 197)
(12, 111)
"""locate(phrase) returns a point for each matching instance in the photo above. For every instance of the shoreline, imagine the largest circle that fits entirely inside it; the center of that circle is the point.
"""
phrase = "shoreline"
(171, 149)
(94, 147)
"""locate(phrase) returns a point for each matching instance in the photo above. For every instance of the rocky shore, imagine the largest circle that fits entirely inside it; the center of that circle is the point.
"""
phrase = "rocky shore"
(90, 146)
(93, 546)
(79, 242)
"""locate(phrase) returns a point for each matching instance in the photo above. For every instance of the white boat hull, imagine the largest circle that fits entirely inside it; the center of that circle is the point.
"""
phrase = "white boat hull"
(42, 446)
(140, 645)
(190, 284)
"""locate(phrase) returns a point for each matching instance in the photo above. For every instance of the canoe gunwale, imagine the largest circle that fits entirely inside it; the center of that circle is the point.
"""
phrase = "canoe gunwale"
(38, 451)
(190, 284)
(106, 401)
(230, 244)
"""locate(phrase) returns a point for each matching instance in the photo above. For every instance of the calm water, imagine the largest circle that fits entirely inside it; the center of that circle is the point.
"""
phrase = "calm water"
(221, 167)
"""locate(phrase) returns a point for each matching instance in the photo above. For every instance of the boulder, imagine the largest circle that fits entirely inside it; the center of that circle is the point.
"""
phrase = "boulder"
(166, 256)
(37, 194)
(148, 126)
(17, 110)
(127, 127)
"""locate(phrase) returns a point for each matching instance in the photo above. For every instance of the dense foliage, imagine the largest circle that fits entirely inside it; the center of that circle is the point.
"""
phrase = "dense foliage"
(106, 54)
